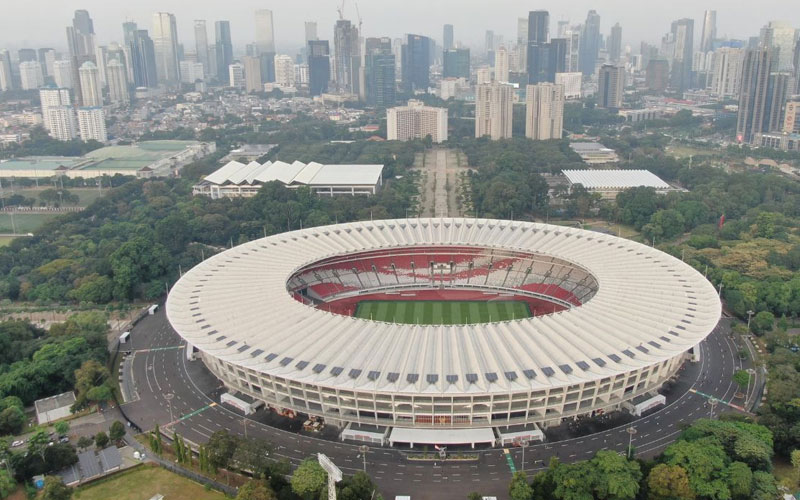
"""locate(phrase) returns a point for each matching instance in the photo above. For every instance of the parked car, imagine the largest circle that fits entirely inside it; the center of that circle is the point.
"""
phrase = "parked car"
(17, 443)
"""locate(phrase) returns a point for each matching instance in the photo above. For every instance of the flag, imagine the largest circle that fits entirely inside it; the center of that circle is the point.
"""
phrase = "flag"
(721, 221)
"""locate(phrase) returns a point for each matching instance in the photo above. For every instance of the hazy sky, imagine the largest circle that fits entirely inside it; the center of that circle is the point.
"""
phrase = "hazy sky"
(39, 23)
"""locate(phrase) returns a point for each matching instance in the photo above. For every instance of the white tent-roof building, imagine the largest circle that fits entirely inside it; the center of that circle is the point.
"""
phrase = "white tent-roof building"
(609, 183)
(236, 179)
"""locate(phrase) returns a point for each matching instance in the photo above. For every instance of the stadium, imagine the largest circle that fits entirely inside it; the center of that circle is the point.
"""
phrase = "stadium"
(443, 330)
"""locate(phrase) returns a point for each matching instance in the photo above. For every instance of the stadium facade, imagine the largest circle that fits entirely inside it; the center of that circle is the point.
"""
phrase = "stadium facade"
(611, 321)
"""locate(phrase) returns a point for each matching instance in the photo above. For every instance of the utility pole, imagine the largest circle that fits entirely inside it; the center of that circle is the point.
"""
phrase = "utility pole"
(364, 449)
(631, 431)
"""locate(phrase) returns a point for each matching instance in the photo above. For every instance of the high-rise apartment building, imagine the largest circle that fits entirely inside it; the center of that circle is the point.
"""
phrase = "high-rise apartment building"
(615, 43)
(416, 64)
(573, 38)
(791, 116)
(319, 66)
(62, 74)
(346, 51)
(726, 72)
(494, 109)
(501, 65)
(58, 114)
(191, 72)
(709, 31)
(456, 63)
(682, 35)
(610, 86)
(91, 92)
(777, 95)
(46, 59)
(165, 43)
(753, 116)
(544, 111)
(224, 48)
(252, 74)
(590, 43)
(30, 75)
(416, 121)
(284, 70)
(447, 37)
(236, 76)
(201, 44)
(117, 83)
(92, 124)
(6, 81)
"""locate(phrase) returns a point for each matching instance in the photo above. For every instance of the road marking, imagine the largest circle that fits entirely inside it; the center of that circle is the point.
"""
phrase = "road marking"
(509, 460)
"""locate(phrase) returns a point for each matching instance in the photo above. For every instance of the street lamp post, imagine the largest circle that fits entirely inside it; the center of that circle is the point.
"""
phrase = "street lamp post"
(523, 444)
(364, 449)
(712, 402)
(631, 431)
(719, 292)
(749, 317)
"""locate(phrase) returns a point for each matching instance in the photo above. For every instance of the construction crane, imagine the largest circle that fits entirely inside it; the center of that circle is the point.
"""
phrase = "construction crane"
(340, 10)
(359, 18)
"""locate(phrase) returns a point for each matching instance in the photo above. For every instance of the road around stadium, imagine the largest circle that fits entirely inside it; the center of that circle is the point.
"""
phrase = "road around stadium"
(183, 396)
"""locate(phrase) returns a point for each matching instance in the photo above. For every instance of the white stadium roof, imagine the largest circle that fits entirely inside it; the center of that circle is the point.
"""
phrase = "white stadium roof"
(615, 179)
(312, 174)
(649, 307)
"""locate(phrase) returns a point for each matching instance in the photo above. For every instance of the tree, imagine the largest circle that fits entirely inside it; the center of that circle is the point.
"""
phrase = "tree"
(519, 489)
(54, 489)
(253, 455)
(742, 379)
(255, 490)
(764, 486)
(704, 461)
(85, 442)
(7, 483)
(762, 322)
(669, 482)
(12, 421)
(38, 443)
(90, 383)
(101, 439)
(221, 446)
(62, 428)
(308, 479)
(740, 479)
(795, 458)
(474, 496)
(617, 477)
(117, 431)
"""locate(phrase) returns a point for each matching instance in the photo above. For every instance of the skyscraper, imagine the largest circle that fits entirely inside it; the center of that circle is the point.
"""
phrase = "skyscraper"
(319, 66)
(456, 63)
(726, 72)
(46, 58)
(783, 40)
(30, 75)
(6, 82)
(62, 74)
(346, 47)
(92, 124)
(58, 114)
(683, 36)
(709, 31)
(80, 36)
(416, 55)
(590, 43)
(91, 93)
(657, 75)
(538, 26)
(777, 95)
(201, 44)
(615, 43)
(265, 33)
(544, 111)
(310, 32)
(752, 114)
(117, 82)
(380, 73)
(540, 65)
(143, 56)
(796, 64)
(494, 107)
(573, 37)
(610, 86)
(165, 43)
(447, 37)
(224, 49)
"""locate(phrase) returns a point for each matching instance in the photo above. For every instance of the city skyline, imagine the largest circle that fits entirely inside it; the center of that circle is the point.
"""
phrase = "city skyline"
(469, 30)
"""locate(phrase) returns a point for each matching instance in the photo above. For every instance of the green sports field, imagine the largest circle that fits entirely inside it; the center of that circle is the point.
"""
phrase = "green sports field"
(436, 312)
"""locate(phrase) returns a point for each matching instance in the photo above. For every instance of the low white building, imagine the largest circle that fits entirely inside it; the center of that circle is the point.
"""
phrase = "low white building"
(416, 121)
(571, 83)
(237, 180)
(594, 153)
(609, 183)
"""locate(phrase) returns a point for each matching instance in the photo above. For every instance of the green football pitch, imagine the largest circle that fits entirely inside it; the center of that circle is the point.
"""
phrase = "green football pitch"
(436, 312)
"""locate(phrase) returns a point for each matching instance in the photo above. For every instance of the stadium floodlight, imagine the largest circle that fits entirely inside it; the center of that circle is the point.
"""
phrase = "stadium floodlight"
(334, 474)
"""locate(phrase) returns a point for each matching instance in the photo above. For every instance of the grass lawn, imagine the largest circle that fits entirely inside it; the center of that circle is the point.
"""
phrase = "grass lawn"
(5, 240)
(142, 483)
(436, 312)
(86, 195)
(25, 223)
